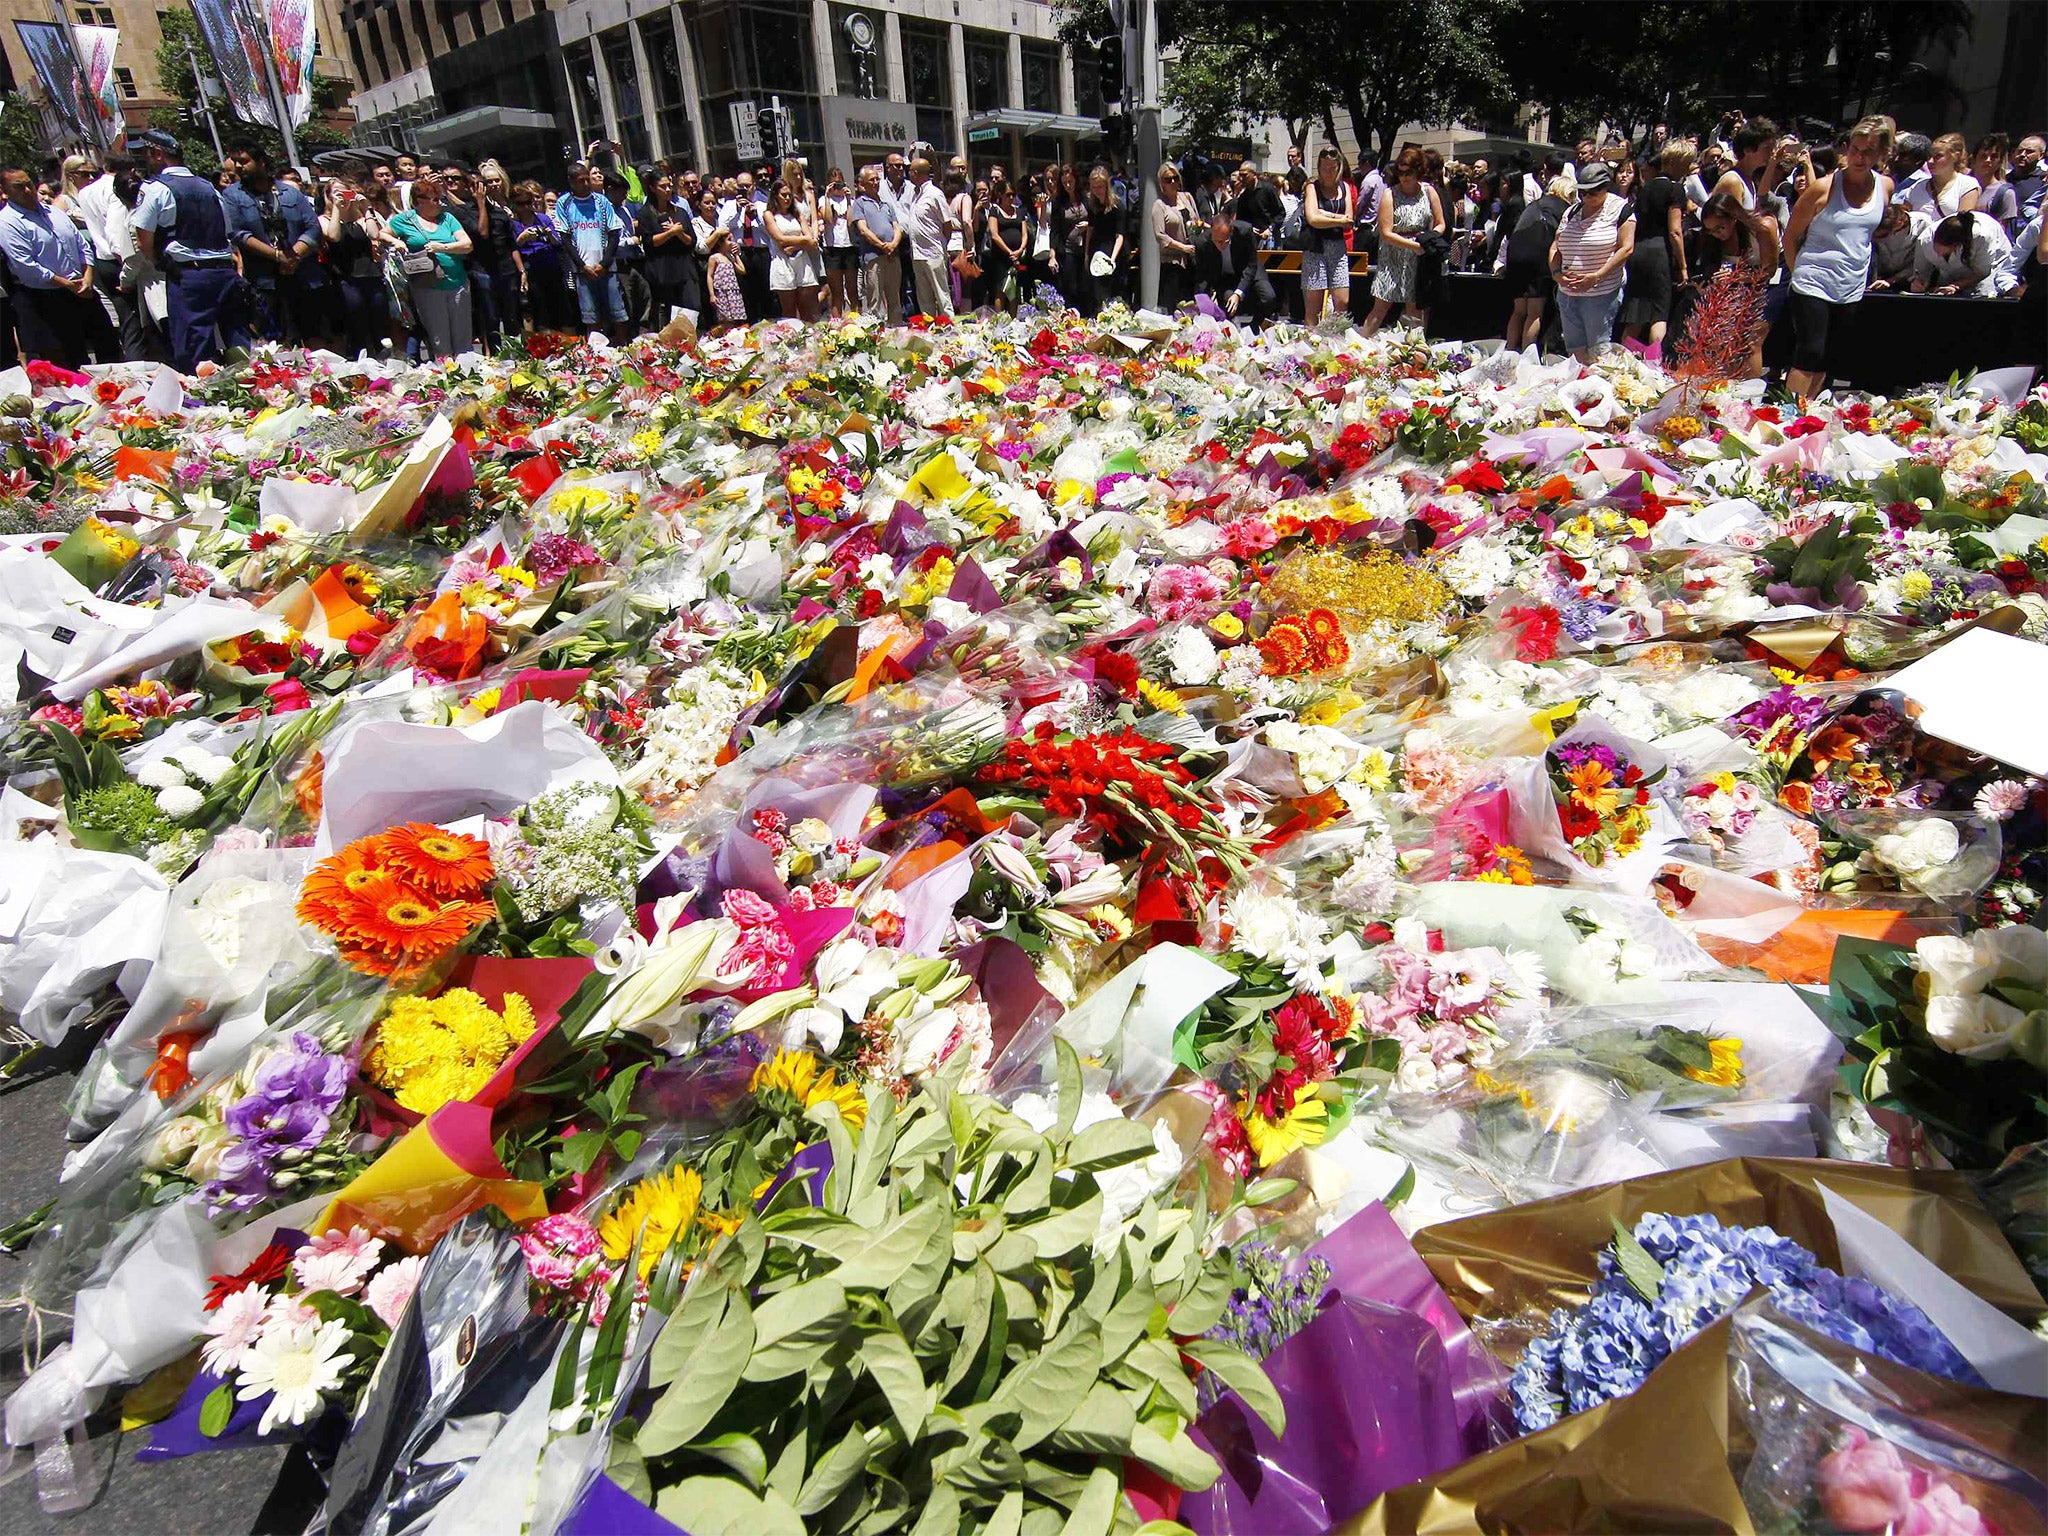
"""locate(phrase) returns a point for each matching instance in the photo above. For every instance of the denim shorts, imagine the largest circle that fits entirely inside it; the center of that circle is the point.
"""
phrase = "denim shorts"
(594, 294)
(1587, 318)
(1322, 270)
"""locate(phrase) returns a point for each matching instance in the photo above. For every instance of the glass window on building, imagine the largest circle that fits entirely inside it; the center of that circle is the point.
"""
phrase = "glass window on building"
(625, 78)
(779, 47)
(857, 53)
(1087, 86)
(988, 72)
(671, 98)
(712, 39)
(928, 81)
(1041, 77)
(583, 86)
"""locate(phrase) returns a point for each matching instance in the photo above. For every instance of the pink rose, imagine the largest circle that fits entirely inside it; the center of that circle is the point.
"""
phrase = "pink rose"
(1863, 1483)
(1941, 1511)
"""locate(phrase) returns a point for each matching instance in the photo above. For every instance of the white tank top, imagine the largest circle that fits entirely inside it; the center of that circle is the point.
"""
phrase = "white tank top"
(1834, 261)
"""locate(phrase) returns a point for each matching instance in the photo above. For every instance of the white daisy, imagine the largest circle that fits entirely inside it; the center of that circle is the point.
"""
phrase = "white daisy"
(298, 1366)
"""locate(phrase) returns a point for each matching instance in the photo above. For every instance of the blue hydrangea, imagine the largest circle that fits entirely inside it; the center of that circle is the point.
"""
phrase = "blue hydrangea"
(1609, 1346)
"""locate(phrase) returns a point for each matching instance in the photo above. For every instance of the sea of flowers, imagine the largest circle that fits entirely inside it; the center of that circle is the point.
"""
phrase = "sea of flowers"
(849, 901)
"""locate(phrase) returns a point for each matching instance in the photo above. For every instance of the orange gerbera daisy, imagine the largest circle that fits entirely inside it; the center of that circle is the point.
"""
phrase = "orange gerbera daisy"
(444, 863)
(335, 878)
(1592, 786)
(399, 921)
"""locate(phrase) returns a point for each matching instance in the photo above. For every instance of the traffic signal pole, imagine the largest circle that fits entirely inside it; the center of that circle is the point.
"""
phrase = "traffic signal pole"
(1146, 73)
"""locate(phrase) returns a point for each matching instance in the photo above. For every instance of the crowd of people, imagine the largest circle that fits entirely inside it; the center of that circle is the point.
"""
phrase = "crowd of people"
(144, 258)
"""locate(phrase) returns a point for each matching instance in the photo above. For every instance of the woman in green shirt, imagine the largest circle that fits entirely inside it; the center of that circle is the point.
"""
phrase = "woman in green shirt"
(435, 245)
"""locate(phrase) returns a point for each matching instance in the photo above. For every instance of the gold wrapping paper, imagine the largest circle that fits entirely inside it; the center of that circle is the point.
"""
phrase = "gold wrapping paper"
(1656, 1460)
(1544, 1255)
(1665, 1459)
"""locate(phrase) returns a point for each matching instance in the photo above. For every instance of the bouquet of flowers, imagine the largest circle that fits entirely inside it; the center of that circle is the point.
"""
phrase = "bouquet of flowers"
(1602, 798)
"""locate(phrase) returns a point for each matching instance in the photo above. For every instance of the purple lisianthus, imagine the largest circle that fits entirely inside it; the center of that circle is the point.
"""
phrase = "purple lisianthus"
(284, 1117)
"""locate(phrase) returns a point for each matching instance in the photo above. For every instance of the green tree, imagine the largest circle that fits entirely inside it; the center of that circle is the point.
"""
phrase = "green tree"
(21, 135)
(174, 70)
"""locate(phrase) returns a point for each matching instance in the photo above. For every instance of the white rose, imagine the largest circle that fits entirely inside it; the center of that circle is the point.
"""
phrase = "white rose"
(1930, 844)
(2016, 952)
(204, 1163)
(1951, 966)
(1416, 1074)
(1979, 1026)
(174, 1144)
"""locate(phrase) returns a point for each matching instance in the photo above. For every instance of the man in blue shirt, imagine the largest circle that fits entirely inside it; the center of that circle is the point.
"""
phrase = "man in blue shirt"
(590, 221)
(632, 258)
(275, 228)
(181, 225)
(57, 316)
(878, 238)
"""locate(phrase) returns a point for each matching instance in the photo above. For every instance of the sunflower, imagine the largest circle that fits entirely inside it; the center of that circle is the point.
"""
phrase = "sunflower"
(1726, 1071)
(657, 1211)
(437, 860)
(1304, 1125)
(790, 1082)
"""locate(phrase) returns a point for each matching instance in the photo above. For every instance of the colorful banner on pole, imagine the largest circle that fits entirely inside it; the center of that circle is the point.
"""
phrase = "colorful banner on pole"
(70, 96)
(96, 54)
(238, 33)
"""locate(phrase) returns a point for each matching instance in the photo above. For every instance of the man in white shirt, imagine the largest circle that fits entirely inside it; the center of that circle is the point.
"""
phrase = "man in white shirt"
(929, 221)
(105, 218)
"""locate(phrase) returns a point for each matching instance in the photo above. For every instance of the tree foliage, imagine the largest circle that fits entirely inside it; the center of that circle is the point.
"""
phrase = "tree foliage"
(21, 135)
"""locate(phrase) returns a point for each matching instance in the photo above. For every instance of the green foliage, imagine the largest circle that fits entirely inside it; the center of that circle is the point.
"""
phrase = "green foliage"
(21, 135)
(938, 1340)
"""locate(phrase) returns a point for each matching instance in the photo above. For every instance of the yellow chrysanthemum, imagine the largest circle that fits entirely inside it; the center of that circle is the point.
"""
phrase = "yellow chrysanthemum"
(1305, 1125)
(657, 1211)
(1726, 1072)
(432, 1051)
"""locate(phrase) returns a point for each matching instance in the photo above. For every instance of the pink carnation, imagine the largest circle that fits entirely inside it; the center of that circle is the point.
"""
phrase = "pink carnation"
(561, 1251)
(747, 909)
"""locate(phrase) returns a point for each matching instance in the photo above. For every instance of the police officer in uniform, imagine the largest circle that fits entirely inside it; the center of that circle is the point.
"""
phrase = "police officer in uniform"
(181, 224)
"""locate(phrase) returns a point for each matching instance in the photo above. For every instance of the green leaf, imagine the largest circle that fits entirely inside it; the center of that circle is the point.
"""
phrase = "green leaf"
(703, 1305)
(218, 1408)
(941, 1514)
(1009, 1516)
(707, 1378)
(1095, 1514)
(793, 1328)
(1109, 1144)
(1063, 1231)
(879, 1261)
(1178, 1459)
(742, 1453)
(1643, 1273)
(834, 1473)
(887, 1358)
(984, 1300)
(1100, 1426)
(1068, 1064)
(1242, 1374)
(718, 1506)
(1046, 1388)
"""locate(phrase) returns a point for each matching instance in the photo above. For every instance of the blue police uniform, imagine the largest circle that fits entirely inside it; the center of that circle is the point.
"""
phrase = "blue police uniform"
(185, 211)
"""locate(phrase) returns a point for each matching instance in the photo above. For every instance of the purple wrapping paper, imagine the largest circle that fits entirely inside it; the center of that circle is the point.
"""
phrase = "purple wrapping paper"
(1370, 1258)
(1369, 1407)
(178, 1435)
(606, 1509)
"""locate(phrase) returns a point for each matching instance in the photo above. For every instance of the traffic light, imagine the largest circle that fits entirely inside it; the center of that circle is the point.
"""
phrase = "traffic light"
(773, 135)
(1109, 70)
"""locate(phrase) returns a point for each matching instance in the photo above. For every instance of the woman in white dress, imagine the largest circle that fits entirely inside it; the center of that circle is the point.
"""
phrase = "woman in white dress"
(793, 267)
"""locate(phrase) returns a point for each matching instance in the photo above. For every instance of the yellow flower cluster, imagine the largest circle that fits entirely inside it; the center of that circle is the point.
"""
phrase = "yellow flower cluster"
(431, 1051)
(1726, 1072)
(1361, 589)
